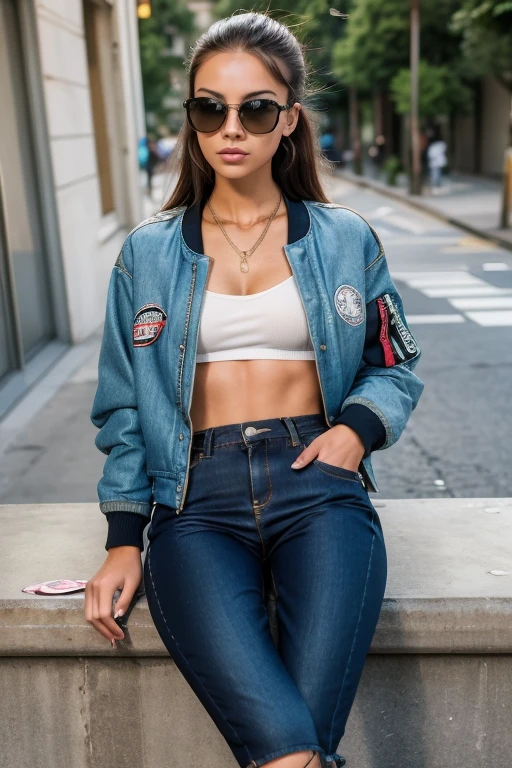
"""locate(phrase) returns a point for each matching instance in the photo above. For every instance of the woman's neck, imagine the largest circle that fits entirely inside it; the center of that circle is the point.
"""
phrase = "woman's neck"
(237, 204)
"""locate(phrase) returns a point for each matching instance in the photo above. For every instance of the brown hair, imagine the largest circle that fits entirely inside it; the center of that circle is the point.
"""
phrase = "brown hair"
(298, 160)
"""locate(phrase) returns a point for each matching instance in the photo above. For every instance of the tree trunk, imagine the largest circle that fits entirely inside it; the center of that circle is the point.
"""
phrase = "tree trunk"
(355, 132)
(506, 198)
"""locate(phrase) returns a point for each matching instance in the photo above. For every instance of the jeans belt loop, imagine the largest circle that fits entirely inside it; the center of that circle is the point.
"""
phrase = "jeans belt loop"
(208, 441)
(292, 429)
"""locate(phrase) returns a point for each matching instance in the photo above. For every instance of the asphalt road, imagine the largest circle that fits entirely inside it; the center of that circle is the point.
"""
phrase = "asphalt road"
(457, 293)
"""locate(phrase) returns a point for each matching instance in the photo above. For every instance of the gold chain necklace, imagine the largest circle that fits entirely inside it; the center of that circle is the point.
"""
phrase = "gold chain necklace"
(244, 255)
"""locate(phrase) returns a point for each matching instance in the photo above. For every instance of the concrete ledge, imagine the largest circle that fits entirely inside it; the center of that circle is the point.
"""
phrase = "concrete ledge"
(435, 691)
(440, 595)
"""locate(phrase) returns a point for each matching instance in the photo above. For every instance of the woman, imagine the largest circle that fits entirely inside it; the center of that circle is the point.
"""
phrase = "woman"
(290, 379)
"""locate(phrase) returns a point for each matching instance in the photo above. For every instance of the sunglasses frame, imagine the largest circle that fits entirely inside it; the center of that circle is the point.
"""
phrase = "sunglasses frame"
(238, 107)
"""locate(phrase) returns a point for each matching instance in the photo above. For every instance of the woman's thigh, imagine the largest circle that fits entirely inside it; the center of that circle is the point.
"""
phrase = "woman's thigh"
(329, 579)
(205, 595)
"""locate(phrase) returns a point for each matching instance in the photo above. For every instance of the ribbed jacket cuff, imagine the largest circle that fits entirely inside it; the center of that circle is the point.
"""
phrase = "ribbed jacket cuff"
(126, 529)
(366, 423)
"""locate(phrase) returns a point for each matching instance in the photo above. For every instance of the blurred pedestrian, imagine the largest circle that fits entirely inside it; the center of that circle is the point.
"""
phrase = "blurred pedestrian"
(436, 159)
(152, 162)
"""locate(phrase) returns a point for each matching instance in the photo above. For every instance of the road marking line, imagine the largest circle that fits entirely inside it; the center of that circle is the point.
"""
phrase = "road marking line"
(435, 282)
(491, 318)
(495, 266)
(424, 319)
(491, 302)
(477, 290)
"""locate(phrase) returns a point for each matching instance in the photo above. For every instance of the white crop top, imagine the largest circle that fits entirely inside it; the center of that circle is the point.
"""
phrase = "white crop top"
(268, 324)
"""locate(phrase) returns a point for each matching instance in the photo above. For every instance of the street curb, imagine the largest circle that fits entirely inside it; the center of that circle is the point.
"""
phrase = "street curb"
(378, 186)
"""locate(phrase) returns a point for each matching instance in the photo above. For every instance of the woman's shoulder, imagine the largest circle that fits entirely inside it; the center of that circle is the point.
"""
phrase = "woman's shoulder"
(343, 224)
(342, 215)
(160, 217)
(147, 233)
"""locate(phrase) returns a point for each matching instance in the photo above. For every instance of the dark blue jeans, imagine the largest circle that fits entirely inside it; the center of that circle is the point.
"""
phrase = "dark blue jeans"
(251, 524)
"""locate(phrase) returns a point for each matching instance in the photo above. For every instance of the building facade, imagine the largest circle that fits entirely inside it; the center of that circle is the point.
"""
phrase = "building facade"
(72, 113)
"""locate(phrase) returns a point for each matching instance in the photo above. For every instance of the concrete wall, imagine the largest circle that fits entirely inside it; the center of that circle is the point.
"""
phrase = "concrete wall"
(90, 241)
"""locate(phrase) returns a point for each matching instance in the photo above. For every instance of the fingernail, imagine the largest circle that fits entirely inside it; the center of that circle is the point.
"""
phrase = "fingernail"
(113, 643)
(118, 613)
(296, 464)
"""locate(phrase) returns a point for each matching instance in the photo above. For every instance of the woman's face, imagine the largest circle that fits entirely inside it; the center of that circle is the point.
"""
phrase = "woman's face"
(234, 77)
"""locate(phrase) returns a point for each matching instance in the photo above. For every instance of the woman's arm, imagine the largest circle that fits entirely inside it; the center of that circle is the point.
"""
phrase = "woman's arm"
(125, 490)
(385, 390)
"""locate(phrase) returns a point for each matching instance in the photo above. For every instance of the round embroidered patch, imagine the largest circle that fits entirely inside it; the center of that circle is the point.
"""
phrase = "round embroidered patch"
(349, 304)
(148, 324)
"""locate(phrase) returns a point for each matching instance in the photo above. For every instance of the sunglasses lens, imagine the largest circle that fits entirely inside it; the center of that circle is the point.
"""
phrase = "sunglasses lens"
(259, 115)
(206, 114)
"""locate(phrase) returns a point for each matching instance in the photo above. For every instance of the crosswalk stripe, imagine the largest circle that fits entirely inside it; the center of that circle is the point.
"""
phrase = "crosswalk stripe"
(424, 319)
(434, 282)
(483, 303)
(495, 266)
(465, 290)
(448, 274)
(491, 302)
(488, 319)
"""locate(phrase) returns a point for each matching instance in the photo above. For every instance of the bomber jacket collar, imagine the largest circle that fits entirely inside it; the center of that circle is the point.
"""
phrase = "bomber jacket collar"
(298, 223)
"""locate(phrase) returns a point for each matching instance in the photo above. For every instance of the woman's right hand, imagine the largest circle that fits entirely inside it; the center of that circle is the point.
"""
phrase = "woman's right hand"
(122, 569)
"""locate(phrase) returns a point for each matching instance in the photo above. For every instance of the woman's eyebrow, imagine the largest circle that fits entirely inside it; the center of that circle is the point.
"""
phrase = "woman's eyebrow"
(247, 95)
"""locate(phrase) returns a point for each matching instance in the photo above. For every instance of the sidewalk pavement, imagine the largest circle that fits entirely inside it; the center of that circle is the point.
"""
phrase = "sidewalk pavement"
(470, 202)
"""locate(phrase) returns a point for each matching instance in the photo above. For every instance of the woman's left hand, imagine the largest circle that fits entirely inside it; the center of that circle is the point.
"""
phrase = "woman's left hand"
(340, 446)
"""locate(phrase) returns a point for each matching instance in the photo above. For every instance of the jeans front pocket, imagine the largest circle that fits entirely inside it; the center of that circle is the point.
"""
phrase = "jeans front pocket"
(329, 469)
(333, 469)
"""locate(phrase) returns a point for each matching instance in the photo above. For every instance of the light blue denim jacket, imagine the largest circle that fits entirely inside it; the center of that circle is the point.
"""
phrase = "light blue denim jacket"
(147, 359)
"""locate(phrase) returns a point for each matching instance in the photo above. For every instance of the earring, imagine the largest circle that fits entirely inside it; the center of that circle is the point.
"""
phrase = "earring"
(288, 145)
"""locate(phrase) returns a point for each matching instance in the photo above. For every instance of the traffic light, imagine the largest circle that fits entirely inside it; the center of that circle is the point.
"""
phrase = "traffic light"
(143, 9)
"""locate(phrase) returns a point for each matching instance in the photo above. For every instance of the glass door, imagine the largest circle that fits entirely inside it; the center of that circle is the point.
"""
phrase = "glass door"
(25, 300)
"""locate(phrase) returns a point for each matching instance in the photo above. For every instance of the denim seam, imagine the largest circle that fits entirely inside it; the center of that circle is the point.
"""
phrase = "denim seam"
(265, 503)
(254, 510)
(357, 627)
(197, 678)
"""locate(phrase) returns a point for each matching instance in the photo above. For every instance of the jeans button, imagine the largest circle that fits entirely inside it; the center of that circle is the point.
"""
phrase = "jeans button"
(250, 431)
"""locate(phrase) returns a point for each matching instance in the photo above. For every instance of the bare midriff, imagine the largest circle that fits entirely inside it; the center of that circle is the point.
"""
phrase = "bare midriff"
(233, 391)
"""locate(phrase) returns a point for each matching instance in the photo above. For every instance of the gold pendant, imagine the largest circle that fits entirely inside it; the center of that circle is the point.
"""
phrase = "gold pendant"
(244, 267)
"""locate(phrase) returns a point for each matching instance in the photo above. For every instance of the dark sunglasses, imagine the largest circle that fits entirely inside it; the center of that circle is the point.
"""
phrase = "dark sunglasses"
(205, 114)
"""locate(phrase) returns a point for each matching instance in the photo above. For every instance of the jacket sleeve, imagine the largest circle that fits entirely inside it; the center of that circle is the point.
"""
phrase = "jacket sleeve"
(385, 389)
(125, 486)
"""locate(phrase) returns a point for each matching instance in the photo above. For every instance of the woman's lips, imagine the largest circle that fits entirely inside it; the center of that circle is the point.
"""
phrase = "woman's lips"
(232, 157)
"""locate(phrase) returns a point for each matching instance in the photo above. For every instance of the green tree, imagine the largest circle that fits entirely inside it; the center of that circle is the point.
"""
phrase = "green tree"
(486, 28)
(441, 91)
(154, 41)
(376, 45)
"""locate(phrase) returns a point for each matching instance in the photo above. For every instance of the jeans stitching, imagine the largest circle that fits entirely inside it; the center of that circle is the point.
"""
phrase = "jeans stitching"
(186, 660)
(333, 474)
(355, 631)
(269, 480)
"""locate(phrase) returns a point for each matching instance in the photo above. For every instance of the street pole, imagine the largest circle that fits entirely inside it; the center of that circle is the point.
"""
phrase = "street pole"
(415, 178)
